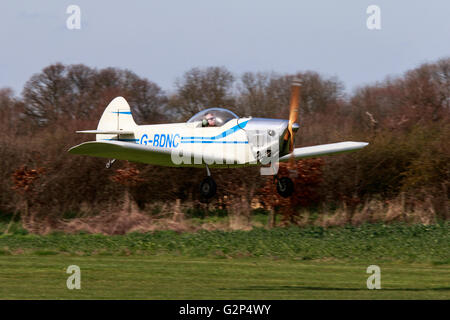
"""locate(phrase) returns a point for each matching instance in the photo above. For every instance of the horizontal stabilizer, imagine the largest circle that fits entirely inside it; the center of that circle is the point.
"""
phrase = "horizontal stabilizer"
(324, 149)
(107, 131)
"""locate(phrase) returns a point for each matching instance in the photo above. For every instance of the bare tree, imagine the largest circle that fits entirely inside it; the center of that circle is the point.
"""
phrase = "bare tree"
(9, 112)
(45, 94)
(267, 94)
(80, 92)
(147, 99)
(200, 89)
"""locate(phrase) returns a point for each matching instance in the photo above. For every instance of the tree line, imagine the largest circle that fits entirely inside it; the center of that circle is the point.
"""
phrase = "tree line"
(405, 119)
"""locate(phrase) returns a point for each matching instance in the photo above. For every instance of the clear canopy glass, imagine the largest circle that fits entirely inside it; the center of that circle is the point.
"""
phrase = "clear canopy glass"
(221, 116)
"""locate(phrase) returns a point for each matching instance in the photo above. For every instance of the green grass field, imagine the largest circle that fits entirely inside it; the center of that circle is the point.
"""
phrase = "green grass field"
(165, 277)
(282, 263)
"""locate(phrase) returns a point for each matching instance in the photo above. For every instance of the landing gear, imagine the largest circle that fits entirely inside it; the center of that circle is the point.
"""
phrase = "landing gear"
(208, 186)
(285, 186)
(110, 163)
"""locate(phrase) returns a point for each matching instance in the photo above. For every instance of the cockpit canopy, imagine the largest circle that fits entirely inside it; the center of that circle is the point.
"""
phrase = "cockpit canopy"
(221, 115)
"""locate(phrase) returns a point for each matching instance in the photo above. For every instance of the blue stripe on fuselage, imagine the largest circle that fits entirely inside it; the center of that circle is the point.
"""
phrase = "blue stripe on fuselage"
(221, 135)
(209, 141)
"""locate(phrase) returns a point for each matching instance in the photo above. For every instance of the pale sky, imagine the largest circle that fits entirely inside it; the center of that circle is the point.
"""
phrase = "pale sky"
(160, 40)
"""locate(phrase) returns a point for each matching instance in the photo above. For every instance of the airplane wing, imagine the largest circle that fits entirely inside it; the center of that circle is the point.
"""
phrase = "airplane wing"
(135, 152)
(324, 149)
(124, 151)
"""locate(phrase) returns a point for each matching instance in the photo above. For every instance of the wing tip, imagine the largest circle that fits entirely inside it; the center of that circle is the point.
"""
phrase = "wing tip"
(73, 149)
(352, 143)
(362, 144)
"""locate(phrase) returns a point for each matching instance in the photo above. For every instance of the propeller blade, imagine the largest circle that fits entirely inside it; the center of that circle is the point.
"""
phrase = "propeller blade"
(293, 116)
(295, 101)
(293, 111)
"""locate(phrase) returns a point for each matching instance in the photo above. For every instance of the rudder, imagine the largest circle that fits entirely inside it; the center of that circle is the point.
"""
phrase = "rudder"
(117, 116)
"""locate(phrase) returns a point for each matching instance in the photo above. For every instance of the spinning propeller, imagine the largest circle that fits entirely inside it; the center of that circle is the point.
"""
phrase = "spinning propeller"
(293, 116)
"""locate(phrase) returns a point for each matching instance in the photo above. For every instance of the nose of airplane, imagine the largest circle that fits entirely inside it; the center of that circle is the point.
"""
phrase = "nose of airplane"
(273, 127)
(262, 133)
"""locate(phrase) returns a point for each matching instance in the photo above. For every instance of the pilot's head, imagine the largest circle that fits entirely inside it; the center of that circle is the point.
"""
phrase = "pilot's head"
(211, 119)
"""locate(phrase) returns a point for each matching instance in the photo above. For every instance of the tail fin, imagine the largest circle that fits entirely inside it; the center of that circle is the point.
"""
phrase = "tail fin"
(117, 116)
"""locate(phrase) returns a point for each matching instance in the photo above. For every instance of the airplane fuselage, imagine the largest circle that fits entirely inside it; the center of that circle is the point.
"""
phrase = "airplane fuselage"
(239, 142)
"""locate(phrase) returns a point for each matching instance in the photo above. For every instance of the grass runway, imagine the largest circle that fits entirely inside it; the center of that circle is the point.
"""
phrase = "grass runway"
(280, 263)
(167, 277)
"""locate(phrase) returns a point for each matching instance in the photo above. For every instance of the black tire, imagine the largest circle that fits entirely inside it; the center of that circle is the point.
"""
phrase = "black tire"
(285, 187)
(208, 188)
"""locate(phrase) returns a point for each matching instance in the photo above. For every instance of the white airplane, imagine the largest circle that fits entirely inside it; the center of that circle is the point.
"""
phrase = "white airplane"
(215, 138)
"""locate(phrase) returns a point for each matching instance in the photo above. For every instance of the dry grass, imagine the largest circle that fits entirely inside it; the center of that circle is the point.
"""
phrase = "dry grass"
(375, 211)
(128, 218)
(239, 216)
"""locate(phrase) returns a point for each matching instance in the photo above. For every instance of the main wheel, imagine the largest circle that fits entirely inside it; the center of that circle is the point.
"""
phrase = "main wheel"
(208, 188)
(285, 187)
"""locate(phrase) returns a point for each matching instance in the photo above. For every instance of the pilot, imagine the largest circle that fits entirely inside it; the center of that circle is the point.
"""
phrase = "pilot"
(209, 120)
